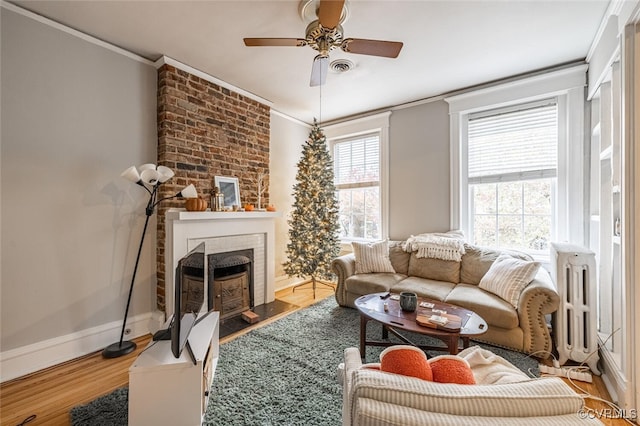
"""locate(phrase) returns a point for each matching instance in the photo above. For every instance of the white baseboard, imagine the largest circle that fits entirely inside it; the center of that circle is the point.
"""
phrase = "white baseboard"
(284, 281)
(28, 359)
(614, 379)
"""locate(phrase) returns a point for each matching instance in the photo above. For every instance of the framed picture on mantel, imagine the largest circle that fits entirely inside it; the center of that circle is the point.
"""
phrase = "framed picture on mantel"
(230, 187)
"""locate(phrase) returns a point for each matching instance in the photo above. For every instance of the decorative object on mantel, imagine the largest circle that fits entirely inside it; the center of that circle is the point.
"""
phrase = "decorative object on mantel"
(313, 233)
(271, 208)
(261, 189)
(230, 187)
(195, 204)
(217, 200)
(150, 178)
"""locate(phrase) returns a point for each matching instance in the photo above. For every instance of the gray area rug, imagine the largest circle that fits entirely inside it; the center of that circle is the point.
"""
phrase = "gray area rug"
(281, 374)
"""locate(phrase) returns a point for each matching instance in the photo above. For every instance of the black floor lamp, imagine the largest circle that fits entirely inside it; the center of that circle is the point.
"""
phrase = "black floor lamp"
(150, 178)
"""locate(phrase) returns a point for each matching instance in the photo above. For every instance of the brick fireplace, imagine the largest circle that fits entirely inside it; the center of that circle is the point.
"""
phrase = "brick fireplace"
(232, 233)
(206, 130)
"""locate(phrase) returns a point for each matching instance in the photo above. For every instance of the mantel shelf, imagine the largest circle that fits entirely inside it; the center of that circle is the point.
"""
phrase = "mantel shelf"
(182, 214)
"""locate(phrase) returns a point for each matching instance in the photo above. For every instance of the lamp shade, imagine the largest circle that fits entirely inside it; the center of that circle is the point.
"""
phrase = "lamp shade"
(165, 173)
(188, 192)
(131, 174)
(148, 166)
(150, 177)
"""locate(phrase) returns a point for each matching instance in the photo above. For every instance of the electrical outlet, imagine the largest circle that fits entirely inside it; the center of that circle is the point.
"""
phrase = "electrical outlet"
(572, 373)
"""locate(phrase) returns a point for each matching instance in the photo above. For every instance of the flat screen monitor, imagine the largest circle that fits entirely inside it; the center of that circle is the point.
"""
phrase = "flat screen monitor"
(188, 298)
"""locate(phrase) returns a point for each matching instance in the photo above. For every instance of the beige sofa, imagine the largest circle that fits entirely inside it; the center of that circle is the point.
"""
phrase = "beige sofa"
(502, 395)
(523, 328)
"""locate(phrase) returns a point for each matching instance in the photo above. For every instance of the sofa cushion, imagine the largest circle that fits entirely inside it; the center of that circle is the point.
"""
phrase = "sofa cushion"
(434, 269)
(494, 310)
(477, 260)
(432, 289)
(372, 257)
(399, 257)
(508, 276)
(372, 283)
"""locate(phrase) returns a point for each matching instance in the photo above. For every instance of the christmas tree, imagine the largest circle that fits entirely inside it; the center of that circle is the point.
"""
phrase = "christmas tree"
(313, 233)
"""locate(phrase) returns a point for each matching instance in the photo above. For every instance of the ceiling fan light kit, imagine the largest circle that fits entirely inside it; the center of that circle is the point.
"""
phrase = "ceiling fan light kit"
(326, 33)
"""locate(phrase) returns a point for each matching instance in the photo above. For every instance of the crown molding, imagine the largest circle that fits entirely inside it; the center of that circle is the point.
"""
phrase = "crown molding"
(290, 118)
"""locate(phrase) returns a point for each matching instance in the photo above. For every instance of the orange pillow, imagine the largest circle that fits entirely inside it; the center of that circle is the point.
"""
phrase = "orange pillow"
(451, 369)
(406, 360)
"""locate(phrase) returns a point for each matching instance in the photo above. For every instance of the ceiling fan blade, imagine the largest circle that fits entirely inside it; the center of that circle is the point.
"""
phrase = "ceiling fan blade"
(388, 49)
(329, 12)
(274, 42)
(319, 71)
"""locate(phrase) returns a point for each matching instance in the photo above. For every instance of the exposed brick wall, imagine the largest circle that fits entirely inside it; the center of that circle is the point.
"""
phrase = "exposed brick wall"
(205, 130)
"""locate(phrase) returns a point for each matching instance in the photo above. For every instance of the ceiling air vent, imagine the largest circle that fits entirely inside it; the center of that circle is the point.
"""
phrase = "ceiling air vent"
(341, 65)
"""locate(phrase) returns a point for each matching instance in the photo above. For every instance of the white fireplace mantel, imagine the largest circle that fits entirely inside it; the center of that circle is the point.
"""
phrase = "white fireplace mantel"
(185, 230)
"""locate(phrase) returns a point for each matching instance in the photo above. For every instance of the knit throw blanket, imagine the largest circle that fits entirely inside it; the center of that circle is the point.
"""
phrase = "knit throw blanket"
(445, 246)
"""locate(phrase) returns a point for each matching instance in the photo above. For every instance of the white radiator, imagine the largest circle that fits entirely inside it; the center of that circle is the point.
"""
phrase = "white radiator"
(573, 269)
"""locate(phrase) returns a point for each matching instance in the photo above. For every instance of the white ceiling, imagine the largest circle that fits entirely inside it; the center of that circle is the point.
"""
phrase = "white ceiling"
(448, 45)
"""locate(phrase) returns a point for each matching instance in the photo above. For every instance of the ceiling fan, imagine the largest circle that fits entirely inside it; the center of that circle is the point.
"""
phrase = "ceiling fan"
(325, 34)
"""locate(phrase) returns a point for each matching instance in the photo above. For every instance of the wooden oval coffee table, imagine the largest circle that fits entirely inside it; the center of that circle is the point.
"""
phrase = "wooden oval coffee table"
(394, 319)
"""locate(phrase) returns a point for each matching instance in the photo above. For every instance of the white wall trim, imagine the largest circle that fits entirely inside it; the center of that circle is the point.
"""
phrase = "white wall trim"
(203, 75)
(456, 203)
(37, 356)
(613, 379)
(292, 119)
(284, 281)
(630, 223)
(615, 56)
(572, 143)
(75, 33)
(418, 102)
(613, 9)
(355, 126)
(528, 89)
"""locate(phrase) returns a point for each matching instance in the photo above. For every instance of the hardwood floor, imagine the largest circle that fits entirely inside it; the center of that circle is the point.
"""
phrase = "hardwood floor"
(50, 394)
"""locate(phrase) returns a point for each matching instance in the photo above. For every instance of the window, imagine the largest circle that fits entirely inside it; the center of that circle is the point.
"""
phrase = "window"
(360, 150)
(508, 197)
(357, 180)
(512, 157)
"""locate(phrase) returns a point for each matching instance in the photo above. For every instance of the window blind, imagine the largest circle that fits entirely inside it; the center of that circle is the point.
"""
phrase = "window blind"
(513, 145)
(357, 162)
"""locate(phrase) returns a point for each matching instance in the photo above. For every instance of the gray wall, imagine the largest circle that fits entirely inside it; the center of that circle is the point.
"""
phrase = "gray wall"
(74, 116)
(287, 139)
(419, 170)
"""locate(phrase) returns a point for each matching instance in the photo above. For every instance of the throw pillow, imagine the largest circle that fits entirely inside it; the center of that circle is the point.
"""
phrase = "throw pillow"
(406, 360)
(508, 276)
(372, 257)
(451, 369)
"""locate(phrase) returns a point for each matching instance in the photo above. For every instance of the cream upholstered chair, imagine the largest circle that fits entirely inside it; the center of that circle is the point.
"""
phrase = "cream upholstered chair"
(503, 395)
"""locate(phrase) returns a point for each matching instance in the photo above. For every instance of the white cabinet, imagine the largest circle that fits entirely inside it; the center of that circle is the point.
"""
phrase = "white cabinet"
(164, 390)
